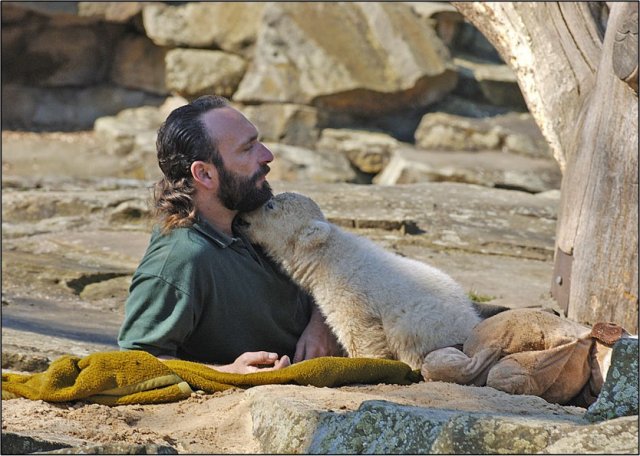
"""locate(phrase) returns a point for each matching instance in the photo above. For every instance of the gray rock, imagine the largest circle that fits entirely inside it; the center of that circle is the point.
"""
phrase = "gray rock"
(15, 13)
(116, 448)
(67, 108)
(24, 362)
(393, 419)
(51, 8)
(514, 133)
(231, 27)
(67, 56)
(368, 151)
(111, 11)
(491, 169)
(425, 418)
(16, 443)
(139, 64)
(379, 427)
(368, 59)
(285, 123)
(195, 72)
(444, 215)
(299, 164)
(119, 133)
(444, 17)
(489, 81)
(617, 436)
(619, 395)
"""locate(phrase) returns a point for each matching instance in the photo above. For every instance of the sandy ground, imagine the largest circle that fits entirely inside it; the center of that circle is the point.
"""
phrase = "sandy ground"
(217, 423)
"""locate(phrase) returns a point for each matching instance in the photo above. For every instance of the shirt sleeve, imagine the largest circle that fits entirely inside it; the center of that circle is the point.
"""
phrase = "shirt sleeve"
(159, 317)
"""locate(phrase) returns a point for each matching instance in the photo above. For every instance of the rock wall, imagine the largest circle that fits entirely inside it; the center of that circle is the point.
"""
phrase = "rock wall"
(349, 92)
(379, 65)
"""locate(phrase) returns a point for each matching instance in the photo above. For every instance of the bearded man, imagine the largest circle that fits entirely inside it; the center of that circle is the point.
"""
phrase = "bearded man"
(202, 292)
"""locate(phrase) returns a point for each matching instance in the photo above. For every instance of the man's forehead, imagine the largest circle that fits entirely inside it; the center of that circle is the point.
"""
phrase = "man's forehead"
(228, 122)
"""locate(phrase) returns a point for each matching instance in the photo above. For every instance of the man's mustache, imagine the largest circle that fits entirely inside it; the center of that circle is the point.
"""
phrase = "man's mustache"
(263, 171)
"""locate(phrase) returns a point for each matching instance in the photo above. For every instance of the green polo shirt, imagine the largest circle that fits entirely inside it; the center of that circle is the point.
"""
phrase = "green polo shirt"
(201, 295)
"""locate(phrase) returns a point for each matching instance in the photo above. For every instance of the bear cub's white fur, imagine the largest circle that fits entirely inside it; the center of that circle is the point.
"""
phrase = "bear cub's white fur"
(379, 305)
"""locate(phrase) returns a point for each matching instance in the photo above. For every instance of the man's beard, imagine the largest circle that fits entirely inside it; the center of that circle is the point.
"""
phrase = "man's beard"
(241, 194)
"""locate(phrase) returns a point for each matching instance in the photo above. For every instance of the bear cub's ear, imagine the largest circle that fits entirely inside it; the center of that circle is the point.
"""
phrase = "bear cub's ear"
(315, 233)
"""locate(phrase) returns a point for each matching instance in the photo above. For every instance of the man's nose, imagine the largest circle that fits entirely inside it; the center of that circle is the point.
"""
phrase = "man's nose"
(266, 156)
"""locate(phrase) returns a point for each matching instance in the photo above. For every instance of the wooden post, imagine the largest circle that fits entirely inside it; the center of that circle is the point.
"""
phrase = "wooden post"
(576, 64)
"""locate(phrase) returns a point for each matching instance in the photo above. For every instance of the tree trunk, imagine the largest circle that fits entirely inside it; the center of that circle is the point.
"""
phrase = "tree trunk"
(576, 65)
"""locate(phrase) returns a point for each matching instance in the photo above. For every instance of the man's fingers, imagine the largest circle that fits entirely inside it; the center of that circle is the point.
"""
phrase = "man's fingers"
(261, 357)
(283, 362)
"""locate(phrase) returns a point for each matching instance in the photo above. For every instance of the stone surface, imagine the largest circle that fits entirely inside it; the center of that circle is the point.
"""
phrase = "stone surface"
(16, 443)
(368, 151)
(488, 81)
(370, 59)
(515, 133)
(111, 11)
(617, 436)
(194, 72)
(299, 164)
(619, 395)
(443, 17)
(389, 419)
(78, 58)
(285, 123)
(117, 448)
(118, 133)
(139, 64)
(426, 418)
(218, 25)
(67, 108)
(491, 169)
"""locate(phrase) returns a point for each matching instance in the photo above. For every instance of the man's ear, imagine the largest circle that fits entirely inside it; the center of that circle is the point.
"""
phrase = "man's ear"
(204, 174)
(315, 233)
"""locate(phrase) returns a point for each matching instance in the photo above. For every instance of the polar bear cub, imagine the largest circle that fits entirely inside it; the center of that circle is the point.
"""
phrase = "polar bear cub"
(379, 304)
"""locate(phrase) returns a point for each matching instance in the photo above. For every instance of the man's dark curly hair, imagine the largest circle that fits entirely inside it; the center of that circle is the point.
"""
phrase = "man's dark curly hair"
(183, 139)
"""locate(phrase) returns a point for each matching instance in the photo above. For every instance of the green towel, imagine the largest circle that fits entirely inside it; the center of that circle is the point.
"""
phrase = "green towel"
(136, 377)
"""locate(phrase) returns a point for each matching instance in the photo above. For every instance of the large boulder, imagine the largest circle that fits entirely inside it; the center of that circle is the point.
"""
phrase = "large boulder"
(286, 123)
(487, 168)
(367, 59)
(368, 151)
(139, 64)
(515, 133)
(67, 56)
(119, 133)
(426, 418)
(195, 72)
(67, 108)
(231, 26)
(488, 81)
(619, 395)
(444, 17)
(299, 164)
(110, 11)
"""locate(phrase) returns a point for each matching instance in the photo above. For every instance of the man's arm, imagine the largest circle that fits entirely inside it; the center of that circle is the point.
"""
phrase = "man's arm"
(317, 339)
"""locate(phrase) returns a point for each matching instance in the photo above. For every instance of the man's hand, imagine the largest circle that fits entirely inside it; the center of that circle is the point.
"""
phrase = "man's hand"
(255, 361)
(317, 340)
(248, 362)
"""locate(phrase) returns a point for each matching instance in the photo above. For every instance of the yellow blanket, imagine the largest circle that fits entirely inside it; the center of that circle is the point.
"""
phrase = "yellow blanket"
(136, 377)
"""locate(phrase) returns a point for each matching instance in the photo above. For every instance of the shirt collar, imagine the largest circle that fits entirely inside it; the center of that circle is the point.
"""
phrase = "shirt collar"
(220, 238)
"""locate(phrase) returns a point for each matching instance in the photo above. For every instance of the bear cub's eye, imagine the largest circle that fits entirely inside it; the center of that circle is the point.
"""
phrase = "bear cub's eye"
(270, 205)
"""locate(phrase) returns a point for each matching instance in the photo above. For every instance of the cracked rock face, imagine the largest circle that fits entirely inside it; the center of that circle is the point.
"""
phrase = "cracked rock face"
(619, 395)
